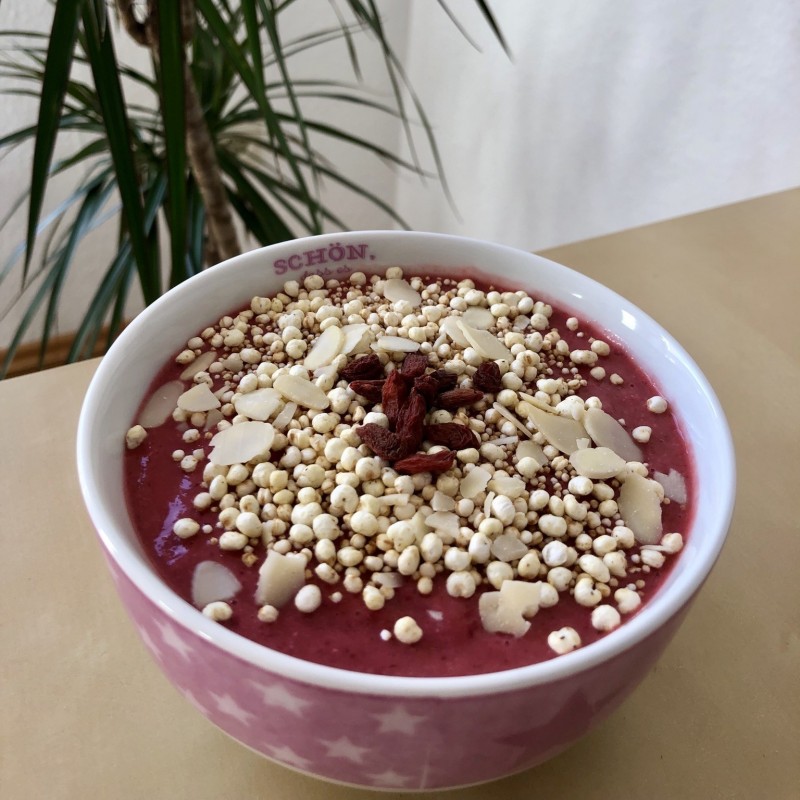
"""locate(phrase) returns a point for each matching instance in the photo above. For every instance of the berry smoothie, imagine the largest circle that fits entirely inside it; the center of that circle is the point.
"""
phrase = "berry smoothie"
(409, 475)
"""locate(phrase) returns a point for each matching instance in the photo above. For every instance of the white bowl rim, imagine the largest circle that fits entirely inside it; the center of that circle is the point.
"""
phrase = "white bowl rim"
(657, 612)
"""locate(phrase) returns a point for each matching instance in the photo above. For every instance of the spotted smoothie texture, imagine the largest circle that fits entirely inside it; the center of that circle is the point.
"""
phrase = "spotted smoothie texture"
(409, 475)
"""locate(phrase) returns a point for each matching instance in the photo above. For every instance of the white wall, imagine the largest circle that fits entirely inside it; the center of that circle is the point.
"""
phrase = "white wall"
(613, 113)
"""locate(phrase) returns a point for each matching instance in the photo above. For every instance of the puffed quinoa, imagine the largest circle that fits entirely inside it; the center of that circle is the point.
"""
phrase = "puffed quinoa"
(135, 436)
(657, 404)
(672, 543)
(407, 631)
(268, 613)
(308, 599)
(652, 558)
(627, 600)
(642, 434)
(185, 528)
(232, 540)
(219, 611)
(564, 640)
(605, 618)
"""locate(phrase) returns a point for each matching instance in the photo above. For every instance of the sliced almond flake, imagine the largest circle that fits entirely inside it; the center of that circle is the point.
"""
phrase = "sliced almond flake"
(436, 615)
(640, 508)
(597, 463)
(233, 362)
(561, 432)
(354, 336)
(674, 486)
(529, 449)
(507, 485)
(158, 409)
(280, 577)
(474, 483)
(535, 401)
(328, 345)
(504, 440)
(520, 323)
(451, 328)
(444, 521)
(241, 442)
(281, 422)
(504, 412)
(521, 596)
(198, 398)
(200, 364)
(259, 405)
(498, 618)
(395, 499)
(607, 432)
(393, 580)
(487, 344)
(584, 443)
(212, 581)
(506, 611)
(442, 502)
(487, 504)
(301, 391)
(364, 346)
(328, 371)
(478, 317)
(397, 289)
(508, 547)
(418, 525)
(395, 344)
(213, 417)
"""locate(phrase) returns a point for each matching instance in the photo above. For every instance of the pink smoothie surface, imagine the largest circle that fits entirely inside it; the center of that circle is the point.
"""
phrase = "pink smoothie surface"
(347, 634)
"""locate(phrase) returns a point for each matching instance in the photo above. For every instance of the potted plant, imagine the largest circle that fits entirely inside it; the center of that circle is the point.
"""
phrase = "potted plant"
(222, 149)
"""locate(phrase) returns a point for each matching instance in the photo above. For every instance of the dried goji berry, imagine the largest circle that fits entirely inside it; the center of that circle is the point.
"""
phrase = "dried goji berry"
(428, 387)
(362, 369)
(487, 378)
(445, 380)
(372, 390)
(411, 421)
(452, 435)
(394, 396)
(414, 365)
(383, 442)
(458, 398)
(426, 462)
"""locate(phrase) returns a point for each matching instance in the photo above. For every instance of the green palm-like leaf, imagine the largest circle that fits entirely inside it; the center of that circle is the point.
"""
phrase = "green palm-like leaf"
(54, 87)
(233, 50)
(93, 203)
(270, 20)
(116, 280)
(272, 227)
(172, 93)
(100, 50)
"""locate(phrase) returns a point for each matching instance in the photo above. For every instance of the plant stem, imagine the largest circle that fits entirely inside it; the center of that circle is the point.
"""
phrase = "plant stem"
(205, 167)
(223, 240)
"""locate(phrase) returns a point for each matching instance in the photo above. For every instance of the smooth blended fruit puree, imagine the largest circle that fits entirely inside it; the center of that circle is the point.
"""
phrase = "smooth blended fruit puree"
(347, 634)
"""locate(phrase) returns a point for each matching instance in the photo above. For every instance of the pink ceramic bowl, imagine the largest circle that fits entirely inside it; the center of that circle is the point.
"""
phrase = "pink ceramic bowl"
(374, 730)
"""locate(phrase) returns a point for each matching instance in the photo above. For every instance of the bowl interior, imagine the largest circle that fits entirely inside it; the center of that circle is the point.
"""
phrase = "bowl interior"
(162, 329)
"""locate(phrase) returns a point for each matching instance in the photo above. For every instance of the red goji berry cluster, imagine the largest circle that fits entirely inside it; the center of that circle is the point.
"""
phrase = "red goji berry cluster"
(406, 396)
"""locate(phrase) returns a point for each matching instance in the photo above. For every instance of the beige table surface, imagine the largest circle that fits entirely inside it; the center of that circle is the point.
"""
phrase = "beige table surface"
(84, 712)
